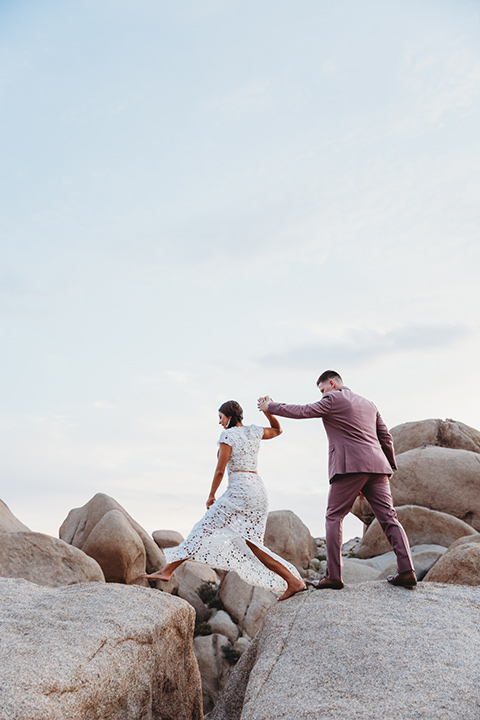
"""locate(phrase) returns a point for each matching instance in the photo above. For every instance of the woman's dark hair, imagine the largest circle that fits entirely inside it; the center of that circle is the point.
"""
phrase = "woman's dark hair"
(231, 409)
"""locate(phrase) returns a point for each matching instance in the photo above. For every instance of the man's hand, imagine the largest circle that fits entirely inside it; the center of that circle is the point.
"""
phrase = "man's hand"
(263, 403)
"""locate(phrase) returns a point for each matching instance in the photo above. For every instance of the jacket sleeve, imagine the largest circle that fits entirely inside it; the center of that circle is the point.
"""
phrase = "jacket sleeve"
(386, 441)
(300, 412)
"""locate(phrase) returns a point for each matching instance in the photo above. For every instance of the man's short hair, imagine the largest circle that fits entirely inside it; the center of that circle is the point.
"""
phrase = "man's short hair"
(329, 375)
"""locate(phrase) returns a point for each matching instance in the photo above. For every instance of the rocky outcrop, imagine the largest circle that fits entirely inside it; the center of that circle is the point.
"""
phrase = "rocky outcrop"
(287, 536)
(45, 560)
(423, 527)
(167, 538)
(424, 557)
(247, 603)
(96, 651)
(460, 566)
(371, 643)
(440, 479)
(443, 433)
(9, 522)
(106, 532)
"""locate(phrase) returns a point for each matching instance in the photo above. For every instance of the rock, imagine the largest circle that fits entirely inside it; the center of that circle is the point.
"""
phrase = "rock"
(423, 527)
(241, 645)
(424, 557)
(202, 612)
(443, 433)
(106, 532)
(167, 538)
(363, 511)
(223, 624)
(96, 651)
(213, 666)
(193, 574)
(355, 571)
(459, 566)
(44, 560)
(440, 479)
(8, 521)
(245, 602)
(287, 536)
(380, 640)
(465, 539)
(350, 547)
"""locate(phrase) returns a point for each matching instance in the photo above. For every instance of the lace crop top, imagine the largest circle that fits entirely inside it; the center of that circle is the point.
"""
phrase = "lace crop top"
(245, 444)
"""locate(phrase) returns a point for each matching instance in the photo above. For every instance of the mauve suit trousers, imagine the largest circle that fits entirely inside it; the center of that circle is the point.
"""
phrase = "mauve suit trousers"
(376, 488)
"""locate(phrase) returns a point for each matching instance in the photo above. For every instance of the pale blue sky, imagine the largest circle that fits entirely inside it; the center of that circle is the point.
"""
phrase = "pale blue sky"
(212, 200)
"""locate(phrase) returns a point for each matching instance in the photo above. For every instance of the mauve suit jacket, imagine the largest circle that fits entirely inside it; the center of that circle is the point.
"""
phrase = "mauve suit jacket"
(358, 438)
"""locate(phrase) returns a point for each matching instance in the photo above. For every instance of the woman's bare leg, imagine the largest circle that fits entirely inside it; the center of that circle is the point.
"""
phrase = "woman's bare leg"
(294, 585)
(164, 574)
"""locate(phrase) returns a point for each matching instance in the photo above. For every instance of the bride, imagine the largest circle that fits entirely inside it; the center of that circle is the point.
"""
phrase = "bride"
(230, 534)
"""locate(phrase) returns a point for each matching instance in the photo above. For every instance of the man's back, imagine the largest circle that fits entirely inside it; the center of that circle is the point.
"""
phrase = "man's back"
(358, 438)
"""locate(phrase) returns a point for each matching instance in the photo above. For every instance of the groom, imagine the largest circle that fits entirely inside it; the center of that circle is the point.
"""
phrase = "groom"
(360, 459)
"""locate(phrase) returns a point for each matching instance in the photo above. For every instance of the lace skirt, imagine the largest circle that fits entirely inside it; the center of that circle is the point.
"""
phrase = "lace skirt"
(218, 539)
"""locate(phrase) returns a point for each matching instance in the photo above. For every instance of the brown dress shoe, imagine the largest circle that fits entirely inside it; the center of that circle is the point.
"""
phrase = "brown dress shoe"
(404, 579)
(327, 583)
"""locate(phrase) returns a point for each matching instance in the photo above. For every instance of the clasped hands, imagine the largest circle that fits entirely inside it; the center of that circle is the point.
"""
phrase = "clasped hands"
(262, 403)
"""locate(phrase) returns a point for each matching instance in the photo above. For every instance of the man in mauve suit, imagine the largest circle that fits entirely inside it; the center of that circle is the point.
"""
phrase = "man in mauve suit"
(360, 460)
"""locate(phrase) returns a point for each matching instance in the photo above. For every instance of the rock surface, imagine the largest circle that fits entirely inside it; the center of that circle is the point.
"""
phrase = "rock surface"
(245, 602)
(440, 479)
(45, 560)
(443, 433)
(287, 536)
(106, 532)
(377, 640)
(167, 538)
(9, 522)
(96, 652)
(357, 571)
(423, 527)
(223, 624)
(459, 566)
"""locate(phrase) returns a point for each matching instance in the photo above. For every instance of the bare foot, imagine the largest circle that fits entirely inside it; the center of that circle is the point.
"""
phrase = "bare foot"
(156, 576)
(293, 588)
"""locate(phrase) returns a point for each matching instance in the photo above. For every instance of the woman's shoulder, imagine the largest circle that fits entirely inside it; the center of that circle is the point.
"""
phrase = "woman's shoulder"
(256, 430)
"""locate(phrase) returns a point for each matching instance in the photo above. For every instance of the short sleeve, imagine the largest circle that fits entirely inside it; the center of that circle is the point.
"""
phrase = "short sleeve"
(224, 438)
(258, 431)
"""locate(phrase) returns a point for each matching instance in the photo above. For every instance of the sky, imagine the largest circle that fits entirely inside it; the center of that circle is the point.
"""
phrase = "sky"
(213, 199)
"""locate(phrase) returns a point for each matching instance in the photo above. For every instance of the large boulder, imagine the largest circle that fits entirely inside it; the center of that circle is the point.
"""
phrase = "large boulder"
(45, 560)
(287, 536)
(9, 522)
(443, 433)
(247, 603)
(441, 479)
(423, 527)
(369, 644)
(106, 532)
(96, 651)
(465, 539)
(459, 566)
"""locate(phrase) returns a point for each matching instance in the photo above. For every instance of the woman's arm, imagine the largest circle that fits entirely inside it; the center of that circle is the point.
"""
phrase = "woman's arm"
(223, 457)
(274, 430)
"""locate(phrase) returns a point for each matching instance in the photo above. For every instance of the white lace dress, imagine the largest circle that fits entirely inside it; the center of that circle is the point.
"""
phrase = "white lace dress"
(240, 514)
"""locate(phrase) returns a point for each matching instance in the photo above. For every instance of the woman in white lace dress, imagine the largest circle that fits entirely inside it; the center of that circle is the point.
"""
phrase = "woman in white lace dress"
(230, 534)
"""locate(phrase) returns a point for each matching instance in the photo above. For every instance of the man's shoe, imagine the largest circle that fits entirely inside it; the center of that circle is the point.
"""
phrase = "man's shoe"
(327, 583)
(404, 579)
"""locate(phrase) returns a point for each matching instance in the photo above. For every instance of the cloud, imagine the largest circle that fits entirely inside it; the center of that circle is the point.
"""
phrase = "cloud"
(361, 345)
(253, 96)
